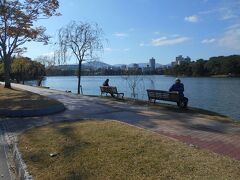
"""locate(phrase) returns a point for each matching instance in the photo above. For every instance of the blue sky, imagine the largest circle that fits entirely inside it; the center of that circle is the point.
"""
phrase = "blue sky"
(140, 29)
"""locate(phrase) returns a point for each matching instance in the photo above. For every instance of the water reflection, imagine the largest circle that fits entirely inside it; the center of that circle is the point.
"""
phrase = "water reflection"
(216, 94)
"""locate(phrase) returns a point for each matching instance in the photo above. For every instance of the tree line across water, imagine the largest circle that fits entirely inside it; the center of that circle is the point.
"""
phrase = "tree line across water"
(215, 66)
(23, 69)
(221, 65)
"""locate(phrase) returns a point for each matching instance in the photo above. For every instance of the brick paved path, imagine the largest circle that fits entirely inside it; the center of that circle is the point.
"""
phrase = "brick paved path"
(189, 127)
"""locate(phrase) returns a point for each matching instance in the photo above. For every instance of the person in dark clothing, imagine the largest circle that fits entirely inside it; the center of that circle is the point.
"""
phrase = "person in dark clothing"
(179, 87)
(106, 82)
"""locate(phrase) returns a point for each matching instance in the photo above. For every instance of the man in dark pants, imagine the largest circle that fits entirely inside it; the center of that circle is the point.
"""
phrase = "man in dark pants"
(106, 83)
(179, 87)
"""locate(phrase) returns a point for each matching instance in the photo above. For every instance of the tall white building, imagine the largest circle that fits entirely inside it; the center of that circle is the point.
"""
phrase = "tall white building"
(180, 59)
(152, 63)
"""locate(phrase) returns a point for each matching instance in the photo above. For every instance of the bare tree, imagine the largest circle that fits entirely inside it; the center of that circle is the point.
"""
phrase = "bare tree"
(82, 39)
(47, 60)
(17, 27)
(135, 82)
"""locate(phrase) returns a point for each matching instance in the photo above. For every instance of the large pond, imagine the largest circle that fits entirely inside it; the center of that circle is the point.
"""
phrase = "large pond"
(220, 95)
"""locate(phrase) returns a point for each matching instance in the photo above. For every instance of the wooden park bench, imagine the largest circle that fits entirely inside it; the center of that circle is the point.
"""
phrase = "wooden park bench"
(154, 95)
(111, 90)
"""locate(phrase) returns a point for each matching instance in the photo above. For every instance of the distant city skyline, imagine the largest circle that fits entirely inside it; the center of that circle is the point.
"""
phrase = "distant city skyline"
(137, 30)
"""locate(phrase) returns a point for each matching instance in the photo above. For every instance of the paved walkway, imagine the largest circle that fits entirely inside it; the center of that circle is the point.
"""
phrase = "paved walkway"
(188, 127)
(4, 170)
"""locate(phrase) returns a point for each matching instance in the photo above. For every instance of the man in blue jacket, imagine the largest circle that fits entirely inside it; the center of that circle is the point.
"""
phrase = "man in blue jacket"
(179, 87)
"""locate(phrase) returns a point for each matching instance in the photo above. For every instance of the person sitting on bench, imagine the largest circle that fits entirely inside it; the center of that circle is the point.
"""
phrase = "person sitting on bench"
(106, 83)
(179, 87)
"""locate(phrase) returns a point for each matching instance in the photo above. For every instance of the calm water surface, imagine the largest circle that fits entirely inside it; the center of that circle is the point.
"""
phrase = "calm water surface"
(215, 94)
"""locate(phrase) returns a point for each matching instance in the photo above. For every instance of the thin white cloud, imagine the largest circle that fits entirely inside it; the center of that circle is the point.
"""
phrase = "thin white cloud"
(119, 34)
(207, 12)
(142, 44)
(116, 49)
(192, 19)
(227, 14)
(162, 41)
(224, 10)
(208, 41)
(108, 49)
(231, 37)
(156, 33)
(175, 35)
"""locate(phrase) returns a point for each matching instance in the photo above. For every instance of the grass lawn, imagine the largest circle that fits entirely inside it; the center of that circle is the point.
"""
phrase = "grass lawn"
(15, 99)
(112, 150)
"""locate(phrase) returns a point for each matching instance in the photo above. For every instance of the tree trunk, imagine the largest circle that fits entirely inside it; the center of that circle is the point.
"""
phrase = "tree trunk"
(22, 74)
(23, 77)
(79, 75)
(39, 82)
(7, 67)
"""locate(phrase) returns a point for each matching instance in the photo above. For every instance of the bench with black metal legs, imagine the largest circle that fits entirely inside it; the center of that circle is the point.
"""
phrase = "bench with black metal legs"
(112, 90)
(154, 95)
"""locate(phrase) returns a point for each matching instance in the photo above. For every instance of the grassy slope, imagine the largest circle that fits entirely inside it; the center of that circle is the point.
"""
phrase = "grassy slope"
(16, 99)
(112, 150)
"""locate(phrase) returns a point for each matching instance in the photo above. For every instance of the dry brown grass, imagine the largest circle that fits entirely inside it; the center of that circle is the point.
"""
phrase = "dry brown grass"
(15, 99)
(113, 150)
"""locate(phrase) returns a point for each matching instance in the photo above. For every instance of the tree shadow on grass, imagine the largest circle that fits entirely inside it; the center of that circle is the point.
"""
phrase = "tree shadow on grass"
(67, 132)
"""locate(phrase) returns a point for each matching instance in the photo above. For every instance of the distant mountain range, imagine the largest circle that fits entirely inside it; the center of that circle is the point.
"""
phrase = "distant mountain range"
(91, 64)
(99, 64)
(96, 64)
